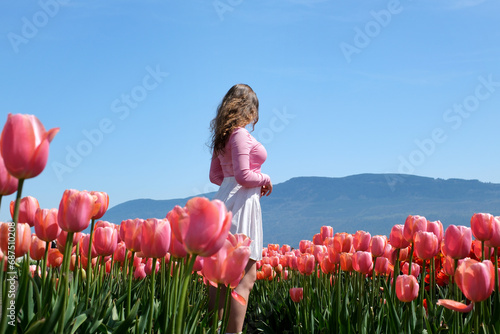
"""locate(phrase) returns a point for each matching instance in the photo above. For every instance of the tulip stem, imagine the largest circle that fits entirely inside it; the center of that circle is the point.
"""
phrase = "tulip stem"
(482, 250)
(496, 270)
(422, 283)
(89, 261)
(152, 301)
(227, 307)
(395, 274)
(432, 281)
(411, 258)
(496, 303)
(15, 216)
(131, 274)
(185, 283)
(63, 286)
(124, 269)
(215, 316)
(44, 264)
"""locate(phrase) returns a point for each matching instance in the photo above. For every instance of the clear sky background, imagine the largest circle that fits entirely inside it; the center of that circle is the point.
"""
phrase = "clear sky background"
(345, 87)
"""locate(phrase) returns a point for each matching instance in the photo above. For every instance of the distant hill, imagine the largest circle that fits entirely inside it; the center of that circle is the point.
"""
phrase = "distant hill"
(298, 208)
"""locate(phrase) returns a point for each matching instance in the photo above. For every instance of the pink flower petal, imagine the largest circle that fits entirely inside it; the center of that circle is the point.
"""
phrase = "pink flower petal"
(455, 306)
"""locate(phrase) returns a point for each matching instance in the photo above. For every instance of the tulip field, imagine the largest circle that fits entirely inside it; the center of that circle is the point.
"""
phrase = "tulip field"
(153, 275)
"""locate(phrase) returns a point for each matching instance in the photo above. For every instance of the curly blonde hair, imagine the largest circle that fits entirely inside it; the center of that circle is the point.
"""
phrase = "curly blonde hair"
(238, 108)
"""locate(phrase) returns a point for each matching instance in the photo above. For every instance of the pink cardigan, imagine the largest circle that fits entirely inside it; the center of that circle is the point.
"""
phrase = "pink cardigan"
(242, 158)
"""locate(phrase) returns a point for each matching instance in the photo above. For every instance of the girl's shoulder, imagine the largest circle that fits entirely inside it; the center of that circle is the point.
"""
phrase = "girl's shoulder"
(240, 132)
(242, 135)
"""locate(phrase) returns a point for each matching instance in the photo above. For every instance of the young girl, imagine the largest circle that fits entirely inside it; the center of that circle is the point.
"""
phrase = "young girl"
(236, 161)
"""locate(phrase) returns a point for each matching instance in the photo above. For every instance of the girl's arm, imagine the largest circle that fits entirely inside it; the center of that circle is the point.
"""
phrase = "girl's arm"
(216, 174)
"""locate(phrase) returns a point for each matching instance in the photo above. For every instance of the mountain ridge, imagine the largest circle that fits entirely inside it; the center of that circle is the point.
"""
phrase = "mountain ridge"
(298, 207)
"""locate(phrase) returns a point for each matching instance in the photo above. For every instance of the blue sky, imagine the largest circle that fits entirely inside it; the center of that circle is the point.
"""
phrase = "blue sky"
(345, 87)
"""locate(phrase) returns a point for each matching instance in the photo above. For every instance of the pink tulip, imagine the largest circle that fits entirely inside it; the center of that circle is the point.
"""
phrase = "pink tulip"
(457, 241)
(304, 244)
(317, 240)
(27, 209)
(54, 258)
(284, 274)
(285, 248)
(105, 240)
(475, 279)
(319, 251)
(326, 232)
(448, 266)
(24, 145)
(328, 242)
(46, 226)
(148, 268)
(140, 272)
(415, 269)
(76, 209)
(377, 245)
(305, 264)
(84, 261)
(290, 258)
(426, 245)
(119, 254)
(381, 266)
(73, 262)
(155, 237)
(406, 288)
(327, 267)
(273, 247)
(176, 248)
(342, 242)
(202, 226)
(413, 224)
(33, 271)
(266, 269)
(494, 241)
(436, 227)
(274, 261)
(84, 247)
(131, 233)
(8, 183)
(361, 241)
(61, 240)
(228, 264)
(37, 248)
(396, 238)
(283, 261)
(103, 223)
(23, 238)
(333, 255)
(482, 226)
(297, 294)
(388, 250)
(403, 255)
(478, 250)
(198, 264)
(346, 262)
(103, 201)
(362, 262)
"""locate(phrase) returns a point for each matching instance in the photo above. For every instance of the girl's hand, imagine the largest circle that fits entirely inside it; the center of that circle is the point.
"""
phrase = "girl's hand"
(266, 190)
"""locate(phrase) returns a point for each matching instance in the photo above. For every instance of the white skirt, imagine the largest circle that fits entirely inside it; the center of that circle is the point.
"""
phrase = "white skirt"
(244, 203)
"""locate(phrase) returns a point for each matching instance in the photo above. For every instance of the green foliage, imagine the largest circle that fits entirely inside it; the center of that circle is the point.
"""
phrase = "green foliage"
(46, 309)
